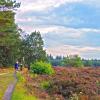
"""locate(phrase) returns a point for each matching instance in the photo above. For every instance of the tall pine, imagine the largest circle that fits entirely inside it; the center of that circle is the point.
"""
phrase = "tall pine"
(9, 35)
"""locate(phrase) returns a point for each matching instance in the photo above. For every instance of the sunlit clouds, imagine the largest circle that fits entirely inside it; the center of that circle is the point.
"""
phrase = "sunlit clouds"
(67, 26)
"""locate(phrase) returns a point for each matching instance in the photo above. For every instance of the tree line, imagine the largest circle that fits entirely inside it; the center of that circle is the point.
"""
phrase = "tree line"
(13, 46)
(73, 61)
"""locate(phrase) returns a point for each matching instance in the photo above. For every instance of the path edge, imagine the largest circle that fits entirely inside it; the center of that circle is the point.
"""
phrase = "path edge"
(10, 89)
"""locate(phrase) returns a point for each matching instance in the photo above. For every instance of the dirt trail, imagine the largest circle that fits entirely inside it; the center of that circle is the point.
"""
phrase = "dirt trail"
(10, 89)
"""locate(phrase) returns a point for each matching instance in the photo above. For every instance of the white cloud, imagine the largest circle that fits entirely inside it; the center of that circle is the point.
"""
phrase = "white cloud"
(45, 5)
(93, 3)
(65, 31)
(64, 50)
(40, 5)
(50, 23)
(23, 20)
(56, 30)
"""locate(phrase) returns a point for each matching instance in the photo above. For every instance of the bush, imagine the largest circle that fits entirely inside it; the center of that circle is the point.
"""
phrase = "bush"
(73, 82)
(45, 85)
(42, 68)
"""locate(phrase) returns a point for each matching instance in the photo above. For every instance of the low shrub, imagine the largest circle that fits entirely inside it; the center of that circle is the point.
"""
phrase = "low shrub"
(67, 84)
(45, 85)
(42, 68)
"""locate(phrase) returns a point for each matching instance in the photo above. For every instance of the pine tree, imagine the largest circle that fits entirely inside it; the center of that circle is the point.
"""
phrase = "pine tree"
(9, 35)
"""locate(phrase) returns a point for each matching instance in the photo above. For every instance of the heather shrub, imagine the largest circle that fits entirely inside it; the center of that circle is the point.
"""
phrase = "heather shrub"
(74, 82)
(68, 84)
(42, 68)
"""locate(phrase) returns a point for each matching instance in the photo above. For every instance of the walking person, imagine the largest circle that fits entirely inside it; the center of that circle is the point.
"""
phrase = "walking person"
(21, 66)
(28, 67)
(16, 66)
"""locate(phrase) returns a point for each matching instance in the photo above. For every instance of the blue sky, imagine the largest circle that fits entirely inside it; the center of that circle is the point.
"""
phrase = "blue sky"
(67, 26)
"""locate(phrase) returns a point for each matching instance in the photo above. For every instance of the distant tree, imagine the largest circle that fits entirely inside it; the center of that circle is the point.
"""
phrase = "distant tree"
(73, 61)
(49, 57)
(66, 61)
(76, 61)
(58, 58)
(91, 63)
(57, 61)
(87, 62)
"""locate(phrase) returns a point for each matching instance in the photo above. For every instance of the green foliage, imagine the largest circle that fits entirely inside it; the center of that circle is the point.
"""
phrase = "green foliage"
(9, 4)
(9, 39)
(87, 62)
(9, 34)
(20, 78)
(13, 47)
(20, 92)
(32, 48)
(55, 61)
(42, 68)
(45, 85)
(74, 61)
(66, 61)
(92, 62)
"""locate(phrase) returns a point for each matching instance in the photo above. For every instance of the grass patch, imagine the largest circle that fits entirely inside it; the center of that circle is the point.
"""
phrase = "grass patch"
(5, 80)
(20, 93)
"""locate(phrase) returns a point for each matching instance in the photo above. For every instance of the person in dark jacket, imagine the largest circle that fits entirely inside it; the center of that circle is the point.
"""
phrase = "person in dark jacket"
(16, 66)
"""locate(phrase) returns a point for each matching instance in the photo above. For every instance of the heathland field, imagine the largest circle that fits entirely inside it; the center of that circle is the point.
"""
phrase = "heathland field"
(66, 84)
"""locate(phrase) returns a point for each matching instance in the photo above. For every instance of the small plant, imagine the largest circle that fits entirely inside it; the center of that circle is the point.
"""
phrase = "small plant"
(42, 68)
(45, 85)
(20, 78)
